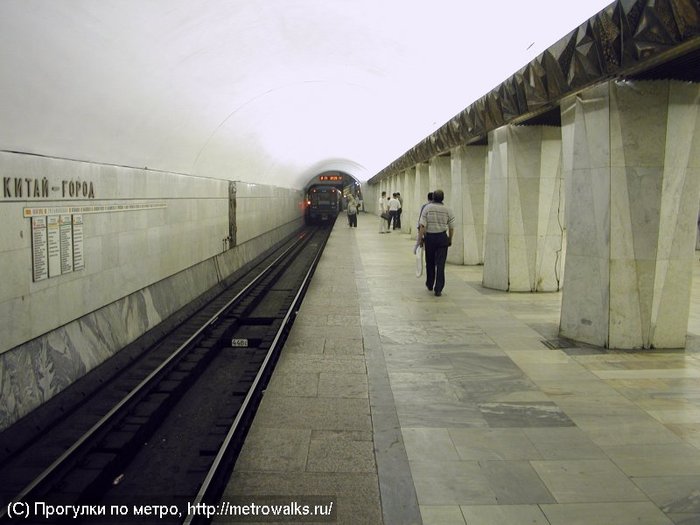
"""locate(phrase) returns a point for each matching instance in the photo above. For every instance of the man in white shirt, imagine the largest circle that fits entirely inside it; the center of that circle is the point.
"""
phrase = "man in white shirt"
(435, 233)
(394, 206)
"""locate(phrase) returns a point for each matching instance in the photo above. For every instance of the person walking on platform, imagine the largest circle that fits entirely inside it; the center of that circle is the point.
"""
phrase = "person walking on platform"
(394, 206)
(436, 231)
(352, 212)
(430, 199)
(383, 212)
(398, 213)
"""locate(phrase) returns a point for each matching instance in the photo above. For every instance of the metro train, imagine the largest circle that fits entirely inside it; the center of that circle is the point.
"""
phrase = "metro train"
(322, 203)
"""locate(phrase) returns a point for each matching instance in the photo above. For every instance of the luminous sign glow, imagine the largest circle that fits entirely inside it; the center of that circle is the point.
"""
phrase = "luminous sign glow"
(330, 177)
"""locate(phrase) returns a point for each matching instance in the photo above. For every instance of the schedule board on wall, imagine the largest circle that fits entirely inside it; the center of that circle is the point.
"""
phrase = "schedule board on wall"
(65, 227)
(78, 260)
(54, 246)
(57, 235)
(40, 267)
(57, 245)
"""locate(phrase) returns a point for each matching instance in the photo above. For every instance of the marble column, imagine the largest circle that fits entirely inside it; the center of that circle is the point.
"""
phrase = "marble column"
(455, 254)
(632, 172)
(469, 167)
(409, 210)
(422, 187)
(440, 173)
(524, 224)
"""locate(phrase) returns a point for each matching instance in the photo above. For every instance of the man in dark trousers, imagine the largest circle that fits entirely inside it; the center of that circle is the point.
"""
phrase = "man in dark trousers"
(435, 235)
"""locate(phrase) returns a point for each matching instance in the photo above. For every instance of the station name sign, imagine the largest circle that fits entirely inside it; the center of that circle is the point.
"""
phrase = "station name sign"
(35, 188)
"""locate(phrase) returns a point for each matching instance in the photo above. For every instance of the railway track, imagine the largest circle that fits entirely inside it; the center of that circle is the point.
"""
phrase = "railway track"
(159, 439)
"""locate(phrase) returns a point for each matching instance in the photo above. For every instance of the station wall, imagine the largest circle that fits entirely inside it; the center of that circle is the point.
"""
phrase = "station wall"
(94, 255)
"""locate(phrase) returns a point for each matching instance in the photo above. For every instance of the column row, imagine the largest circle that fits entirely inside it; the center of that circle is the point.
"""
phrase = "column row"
(626, 161)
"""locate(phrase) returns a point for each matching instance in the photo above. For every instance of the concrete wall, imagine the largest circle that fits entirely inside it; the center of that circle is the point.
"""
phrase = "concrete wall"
(152, 242)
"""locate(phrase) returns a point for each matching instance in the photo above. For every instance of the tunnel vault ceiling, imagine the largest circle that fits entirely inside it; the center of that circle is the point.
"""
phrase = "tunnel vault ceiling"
(278, 91)
(642, 39)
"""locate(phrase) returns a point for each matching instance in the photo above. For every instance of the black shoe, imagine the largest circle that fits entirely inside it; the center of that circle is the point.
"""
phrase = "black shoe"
(438, 294)
(430, 288)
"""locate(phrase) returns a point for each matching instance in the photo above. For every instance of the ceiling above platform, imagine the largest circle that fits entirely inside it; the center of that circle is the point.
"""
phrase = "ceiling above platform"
(272, 91)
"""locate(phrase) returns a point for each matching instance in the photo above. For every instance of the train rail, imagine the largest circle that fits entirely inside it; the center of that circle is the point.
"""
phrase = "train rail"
(163, 433)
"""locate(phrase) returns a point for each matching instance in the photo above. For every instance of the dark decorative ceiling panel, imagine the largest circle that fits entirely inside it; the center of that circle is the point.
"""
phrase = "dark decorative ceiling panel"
(627, 38)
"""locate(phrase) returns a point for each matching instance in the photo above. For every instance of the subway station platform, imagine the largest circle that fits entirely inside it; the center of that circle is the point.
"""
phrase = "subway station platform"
(408, 408)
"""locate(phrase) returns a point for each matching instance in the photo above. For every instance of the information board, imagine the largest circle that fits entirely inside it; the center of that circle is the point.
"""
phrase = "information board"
(40, 268)
(78, 260)
(65, 225)
(54, 239)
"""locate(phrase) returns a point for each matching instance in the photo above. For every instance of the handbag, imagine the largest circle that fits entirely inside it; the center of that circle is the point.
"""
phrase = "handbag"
(385, 216)
(419, 260)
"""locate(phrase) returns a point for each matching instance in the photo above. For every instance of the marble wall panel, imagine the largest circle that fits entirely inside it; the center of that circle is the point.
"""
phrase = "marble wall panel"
(129, 256)
(409, 217)
(473, 160)
(495, 273)
(649, 226)
(33, 372)
(260, 209)
(585, 294)
(440, 176)
(455, 254)
(420, 188)
(408, 212)
(525, 204)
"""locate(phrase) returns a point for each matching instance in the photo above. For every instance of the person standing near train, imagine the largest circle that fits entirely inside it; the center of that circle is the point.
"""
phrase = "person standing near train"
(435, 235)
(352, 212)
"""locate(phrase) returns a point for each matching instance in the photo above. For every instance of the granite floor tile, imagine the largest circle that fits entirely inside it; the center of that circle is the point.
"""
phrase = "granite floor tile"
(515, 482)
(688, 433)
(620, 513)
(314, 363)
(315, 413)
(342, 385)
(563, 443)
(524, 414)
(517, 389)
(429, 444)
(587, 481)
(298, 344)
(442, 515)
(673, 494)
(451, 483)
(339, 451)
(504, 515)
(349, 347)
(421, 389)
(439, 415)
(294, 384)
(274, 450)
(675, 459)
(610, 431)
(490, 443)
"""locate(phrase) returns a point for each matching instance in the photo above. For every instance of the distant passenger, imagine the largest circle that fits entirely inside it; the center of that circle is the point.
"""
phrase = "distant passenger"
(398, 214)
(388, 215)
(394, 206)
(436, 231)
(383, 213)
(352, 212)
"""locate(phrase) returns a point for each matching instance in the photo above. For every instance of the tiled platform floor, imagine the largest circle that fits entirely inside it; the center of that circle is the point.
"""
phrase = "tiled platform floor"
(411, 408)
